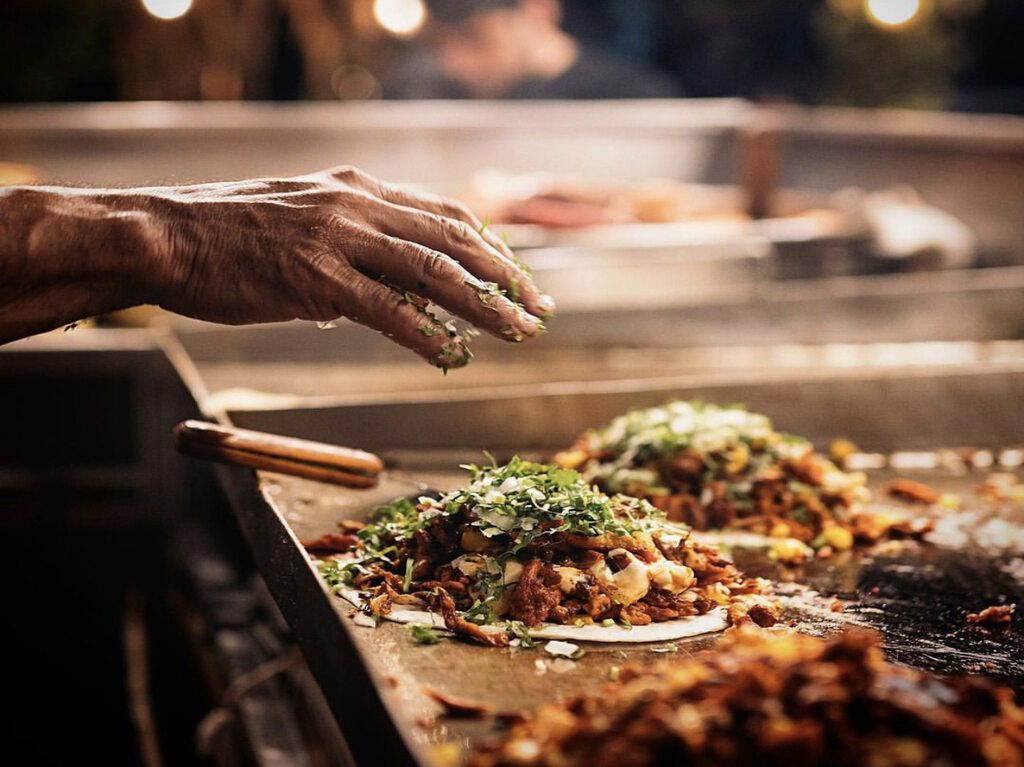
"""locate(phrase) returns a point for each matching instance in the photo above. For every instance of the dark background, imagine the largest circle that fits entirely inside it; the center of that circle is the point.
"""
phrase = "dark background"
(964, 55)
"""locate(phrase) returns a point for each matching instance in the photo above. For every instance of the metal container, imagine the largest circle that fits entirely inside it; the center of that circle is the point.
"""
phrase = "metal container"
(972, 166)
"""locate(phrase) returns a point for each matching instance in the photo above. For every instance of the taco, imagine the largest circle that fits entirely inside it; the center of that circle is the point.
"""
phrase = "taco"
(528, 550)
(727, 469)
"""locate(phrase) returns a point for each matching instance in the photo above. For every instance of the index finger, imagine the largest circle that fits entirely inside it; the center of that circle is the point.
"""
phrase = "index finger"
(512, 275)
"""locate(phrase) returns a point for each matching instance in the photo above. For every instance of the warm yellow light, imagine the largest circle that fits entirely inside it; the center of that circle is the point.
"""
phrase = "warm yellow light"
(400, 17)
(892, 13)
(167, 9)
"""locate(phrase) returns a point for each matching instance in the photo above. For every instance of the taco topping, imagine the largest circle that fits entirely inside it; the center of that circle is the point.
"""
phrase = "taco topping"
(714, 467)
(526, 544)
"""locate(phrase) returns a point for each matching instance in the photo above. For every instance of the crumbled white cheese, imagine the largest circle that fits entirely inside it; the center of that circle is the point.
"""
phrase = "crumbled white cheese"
(510, 485)
(494, 518)
(561, 649)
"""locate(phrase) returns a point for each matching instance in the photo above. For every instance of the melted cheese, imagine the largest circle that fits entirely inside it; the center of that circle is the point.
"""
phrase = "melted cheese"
(512, 572)
(670, 576)
(626, 586)
(469, 564)
(570, 577)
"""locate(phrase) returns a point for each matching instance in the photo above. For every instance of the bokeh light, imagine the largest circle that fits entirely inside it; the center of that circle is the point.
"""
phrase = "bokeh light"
(167, 9)
(892, 13)
(402, 18)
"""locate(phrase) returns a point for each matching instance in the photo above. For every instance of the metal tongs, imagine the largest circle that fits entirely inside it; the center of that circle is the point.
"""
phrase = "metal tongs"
(285, 455)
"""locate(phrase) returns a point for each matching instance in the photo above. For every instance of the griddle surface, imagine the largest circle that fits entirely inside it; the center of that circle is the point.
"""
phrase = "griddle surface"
(916, 594)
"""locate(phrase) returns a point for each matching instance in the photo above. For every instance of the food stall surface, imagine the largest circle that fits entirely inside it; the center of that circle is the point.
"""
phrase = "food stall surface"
(916, 594)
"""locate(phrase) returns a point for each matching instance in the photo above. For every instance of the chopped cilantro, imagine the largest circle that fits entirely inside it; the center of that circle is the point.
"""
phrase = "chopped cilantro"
(423, 634)
(519, 631)
(714, 434)
(514, 505)
(409, 564)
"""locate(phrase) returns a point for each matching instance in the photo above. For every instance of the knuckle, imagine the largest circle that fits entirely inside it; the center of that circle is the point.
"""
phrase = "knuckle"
(386, 298)
(430, 263)
(345, 197)
(455, 231)
(458, 210)
(348, 174)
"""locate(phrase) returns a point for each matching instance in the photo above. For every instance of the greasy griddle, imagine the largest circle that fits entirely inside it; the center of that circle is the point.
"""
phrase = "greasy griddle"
(916, 595)
(374, 679)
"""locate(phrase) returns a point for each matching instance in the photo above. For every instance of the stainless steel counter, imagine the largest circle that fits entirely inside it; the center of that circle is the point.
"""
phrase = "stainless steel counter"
(972, 166)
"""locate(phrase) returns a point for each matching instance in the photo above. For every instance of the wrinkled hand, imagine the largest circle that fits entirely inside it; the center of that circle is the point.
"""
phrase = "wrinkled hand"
(338, 244)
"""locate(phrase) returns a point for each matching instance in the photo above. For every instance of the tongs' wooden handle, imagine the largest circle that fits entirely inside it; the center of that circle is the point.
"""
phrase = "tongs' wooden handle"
(284, 455)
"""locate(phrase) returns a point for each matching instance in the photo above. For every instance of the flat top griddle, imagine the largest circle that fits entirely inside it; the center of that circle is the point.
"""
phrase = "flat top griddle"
(915, 594)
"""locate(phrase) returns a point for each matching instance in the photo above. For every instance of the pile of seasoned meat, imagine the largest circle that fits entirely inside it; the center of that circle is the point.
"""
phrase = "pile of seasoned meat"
(773, 700)
(528, 543)
(726, 468)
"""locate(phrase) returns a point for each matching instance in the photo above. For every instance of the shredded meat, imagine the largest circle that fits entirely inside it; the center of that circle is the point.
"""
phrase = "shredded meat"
(909, 490)
(772, 700)
(760, 612)
(421, 573)
(332, 543)
(755, 486)
(463, 628)
(457, 708)
(537, 593)
(993, 614)
(609, 541)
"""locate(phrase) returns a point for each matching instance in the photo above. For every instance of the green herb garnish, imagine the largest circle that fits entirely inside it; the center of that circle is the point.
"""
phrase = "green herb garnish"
(514, 505)
(519, 631)
(407, 581)
(422, 634)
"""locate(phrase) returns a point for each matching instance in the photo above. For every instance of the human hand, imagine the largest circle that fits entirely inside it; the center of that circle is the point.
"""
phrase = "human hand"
(339, 243)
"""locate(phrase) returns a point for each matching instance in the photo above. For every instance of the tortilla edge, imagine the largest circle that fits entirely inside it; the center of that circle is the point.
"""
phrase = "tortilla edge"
(681, 628)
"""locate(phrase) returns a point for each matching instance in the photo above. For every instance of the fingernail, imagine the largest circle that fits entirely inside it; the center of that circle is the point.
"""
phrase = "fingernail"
(454, 354)
(535, 323)
(546, 305)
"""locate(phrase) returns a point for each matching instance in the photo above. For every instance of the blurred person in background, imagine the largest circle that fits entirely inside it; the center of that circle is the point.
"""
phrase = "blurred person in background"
(514, 49)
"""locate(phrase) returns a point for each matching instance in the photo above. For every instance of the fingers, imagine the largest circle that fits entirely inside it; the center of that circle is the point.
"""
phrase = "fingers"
(443, 206)
(388, 311)
(450, 227)
(465, 245)
(426, 272)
